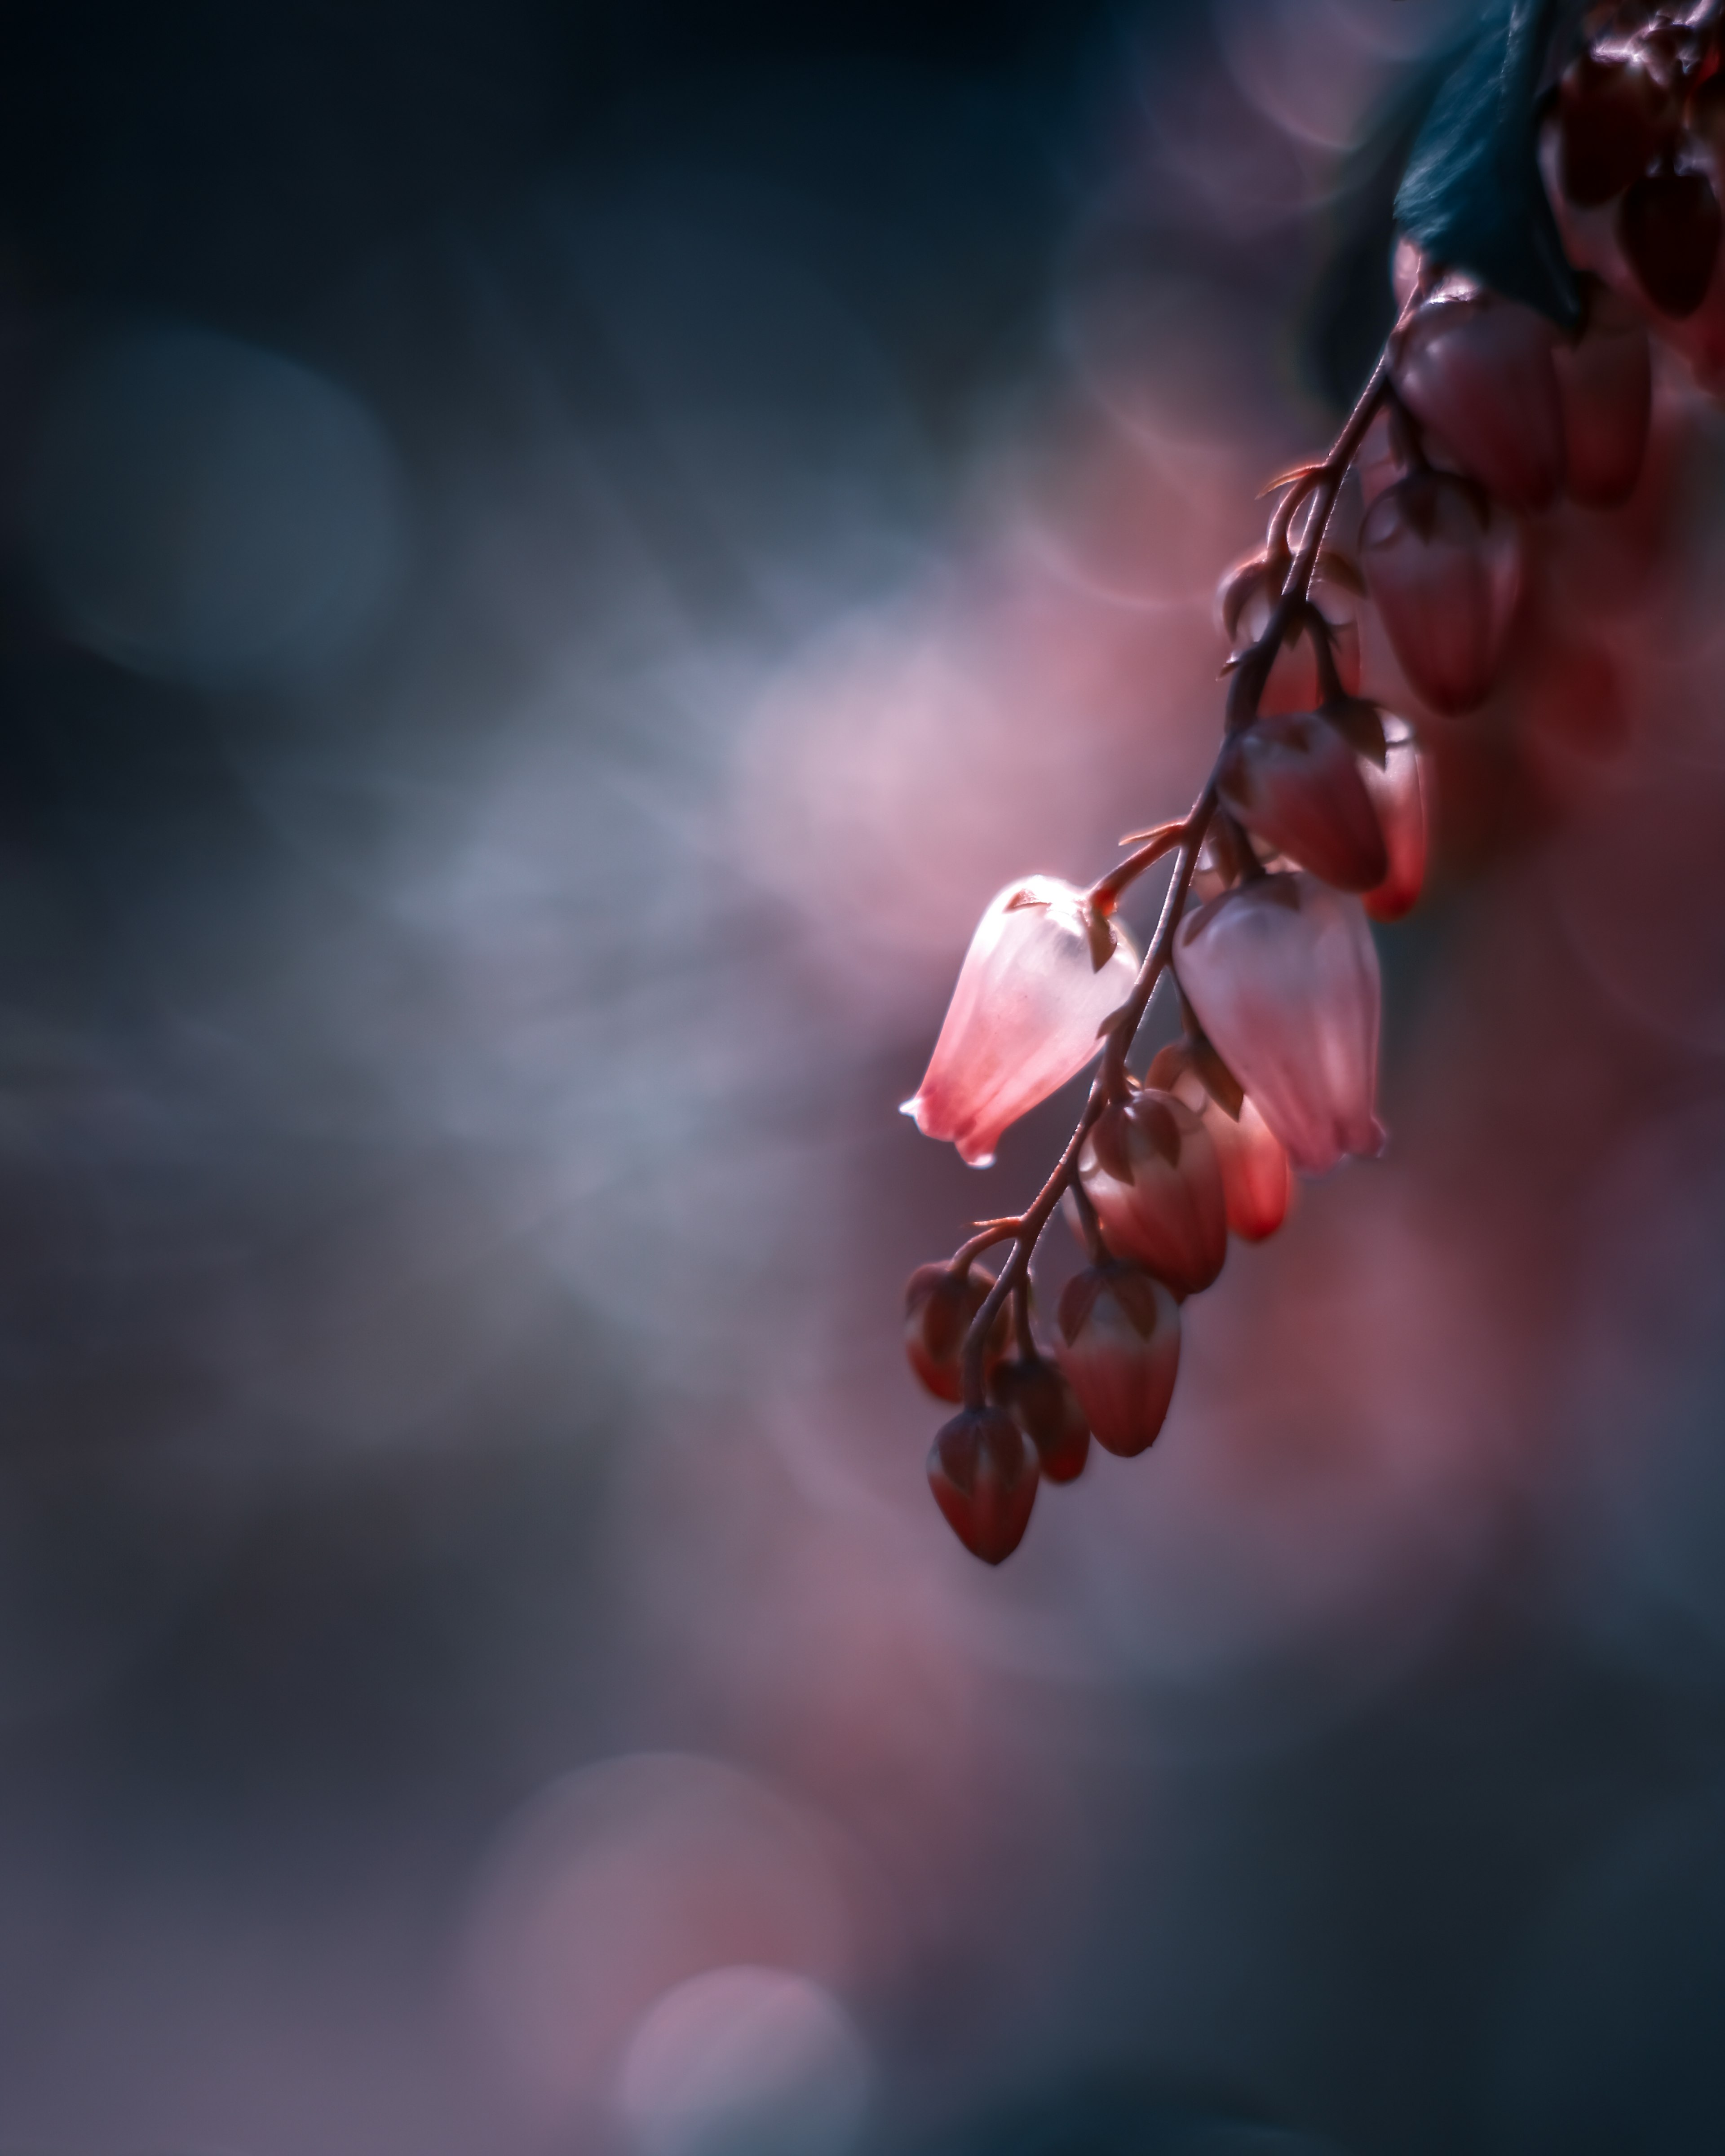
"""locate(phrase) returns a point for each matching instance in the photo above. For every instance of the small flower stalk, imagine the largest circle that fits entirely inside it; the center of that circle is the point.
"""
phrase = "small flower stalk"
(1316, 819)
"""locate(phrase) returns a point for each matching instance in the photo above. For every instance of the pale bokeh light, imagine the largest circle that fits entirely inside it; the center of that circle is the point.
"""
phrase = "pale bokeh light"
(744, 2062)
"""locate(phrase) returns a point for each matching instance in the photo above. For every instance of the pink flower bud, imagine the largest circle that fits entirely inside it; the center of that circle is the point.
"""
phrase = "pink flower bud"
(1284, 979)
(1295, 784)
(1150, 1172)
(1292, 684)
(1444, 568)
(1479, 373)
(939, 1306)
(1120, 1332)
(1256, 1184)
(1043, 1404)
(1606, 385)
(1398, 794)
(982, 1468)
(1024, 1016)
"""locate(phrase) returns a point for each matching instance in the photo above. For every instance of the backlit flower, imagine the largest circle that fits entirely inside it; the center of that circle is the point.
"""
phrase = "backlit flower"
(1284, 979)
(1024, 1016)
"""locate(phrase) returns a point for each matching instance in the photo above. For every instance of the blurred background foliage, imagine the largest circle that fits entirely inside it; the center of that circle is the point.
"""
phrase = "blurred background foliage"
(554, 556)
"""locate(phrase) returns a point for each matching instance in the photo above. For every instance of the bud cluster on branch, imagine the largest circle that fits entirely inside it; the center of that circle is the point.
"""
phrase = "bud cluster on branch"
(1315, 811)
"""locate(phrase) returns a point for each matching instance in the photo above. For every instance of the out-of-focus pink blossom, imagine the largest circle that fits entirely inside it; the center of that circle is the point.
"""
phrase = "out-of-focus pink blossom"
(1284, 979)
(1606, 385)
(1023, 1017)
(1479, 373)
(1397, 794)
(1150, 1172)
(1591, 241)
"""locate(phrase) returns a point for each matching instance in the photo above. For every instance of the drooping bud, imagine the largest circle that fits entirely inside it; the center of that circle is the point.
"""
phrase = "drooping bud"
(1120, 1346)
(1668, 226)
(1606, 385)
(1479, 373)
(1024, 1016)
(1043, 1404)
(1150, 1170)
(1284, 979)
(982, 1468)
(1615, 116)
(1295, 784)
(939, 1306)
(1257, 1184)
(1444, 569)
(1293, 682)
(1399, 795)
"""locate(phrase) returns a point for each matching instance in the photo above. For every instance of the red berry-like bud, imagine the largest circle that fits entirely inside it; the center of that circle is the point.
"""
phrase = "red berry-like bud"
(1041, 974)
(938, 1309)
(1605, 386)
(1120, 1334)
(1668, 224)
(1295, 784)
(1397, 794)
(1256, 1182)
(1150, 1172)
(1284, 979)
(1479, 374)
(1614, 117)
(982, 1468)
(1043, 1404)
(1444, 569)
(1293, 682)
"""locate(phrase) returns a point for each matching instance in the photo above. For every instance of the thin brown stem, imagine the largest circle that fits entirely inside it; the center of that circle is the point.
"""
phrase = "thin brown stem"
(1105, 894)
(1253, 671)
(1321, 485)
(989, 1233)
(1109, 1081)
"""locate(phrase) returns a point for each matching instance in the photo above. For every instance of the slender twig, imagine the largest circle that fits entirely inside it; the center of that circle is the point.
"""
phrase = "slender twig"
(1105, 893)
(1320, 486)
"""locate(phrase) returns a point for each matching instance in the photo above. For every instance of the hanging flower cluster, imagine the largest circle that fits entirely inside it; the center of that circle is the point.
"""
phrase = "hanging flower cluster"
(1316, 812)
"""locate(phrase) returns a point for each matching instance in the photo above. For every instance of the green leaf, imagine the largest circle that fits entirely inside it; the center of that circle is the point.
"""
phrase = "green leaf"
(1472, 197)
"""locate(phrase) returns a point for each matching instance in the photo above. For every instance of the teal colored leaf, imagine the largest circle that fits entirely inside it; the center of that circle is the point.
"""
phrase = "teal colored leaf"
(1471, 196)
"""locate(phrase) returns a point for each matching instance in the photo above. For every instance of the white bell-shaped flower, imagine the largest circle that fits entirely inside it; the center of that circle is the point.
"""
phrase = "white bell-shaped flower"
(1284, 979)
(1024, 1016)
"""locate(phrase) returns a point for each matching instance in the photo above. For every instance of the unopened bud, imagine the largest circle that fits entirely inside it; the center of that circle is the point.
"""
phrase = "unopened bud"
(939, 1307)
(1150, 1170)
(1397, 794)
(982, 1468)
(1479, 374)
(1294, 784)
(1043, 1404)
(1606, 383)
(1444, 568)
(1119, 1348)
(1257, 1184)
